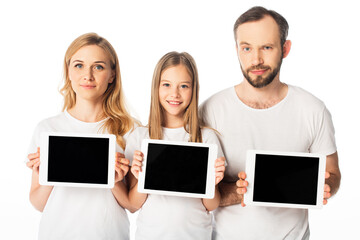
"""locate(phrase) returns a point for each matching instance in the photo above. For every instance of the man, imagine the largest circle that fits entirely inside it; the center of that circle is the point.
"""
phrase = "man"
(266, 114)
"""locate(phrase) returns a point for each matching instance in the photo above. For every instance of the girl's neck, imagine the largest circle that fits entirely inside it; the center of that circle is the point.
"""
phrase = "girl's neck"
(173, 122)
(87, 111)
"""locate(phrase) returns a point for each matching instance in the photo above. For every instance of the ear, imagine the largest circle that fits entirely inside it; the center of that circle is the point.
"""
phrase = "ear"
(112, 77)
(286, 48)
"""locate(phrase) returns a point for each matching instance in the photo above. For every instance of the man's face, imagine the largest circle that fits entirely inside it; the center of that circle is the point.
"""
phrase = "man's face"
(259, 51)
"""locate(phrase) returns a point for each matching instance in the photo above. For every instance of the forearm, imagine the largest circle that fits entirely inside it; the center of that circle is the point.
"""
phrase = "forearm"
(120, 192)
(39, 194)
(136, 199)
(334, 182)
(228, 194)
(212, 204)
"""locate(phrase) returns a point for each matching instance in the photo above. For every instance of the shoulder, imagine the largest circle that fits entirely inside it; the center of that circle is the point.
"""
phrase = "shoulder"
(208, 134)
(306, 99)
(138, 132)
(219, 97)
(48, 124)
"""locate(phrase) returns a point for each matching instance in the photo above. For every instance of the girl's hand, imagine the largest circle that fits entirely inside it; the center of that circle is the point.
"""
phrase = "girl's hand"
(219, 169)
(121, 166)
(137, 163)
(34, 160)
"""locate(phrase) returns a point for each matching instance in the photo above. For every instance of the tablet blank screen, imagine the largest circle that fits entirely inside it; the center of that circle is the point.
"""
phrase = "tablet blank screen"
(78, 159)
(286, 179)
(176, 168)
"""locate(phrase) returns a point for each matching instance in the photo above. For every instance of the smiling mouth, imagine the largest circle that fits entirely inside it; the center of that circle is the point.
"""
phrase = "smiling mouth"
(259, 71)
(87, 86)
(175, 103)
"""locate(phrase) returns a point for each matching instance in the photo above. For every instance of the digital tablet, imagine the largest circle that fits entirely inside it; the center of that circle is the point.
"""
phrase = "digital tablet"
(285, 179)
(77, 160)
(184, 169)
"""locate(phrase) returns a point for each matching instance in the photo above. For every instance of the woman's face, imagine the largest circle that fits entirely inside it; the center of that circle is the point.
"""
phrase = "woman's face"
(90, 73)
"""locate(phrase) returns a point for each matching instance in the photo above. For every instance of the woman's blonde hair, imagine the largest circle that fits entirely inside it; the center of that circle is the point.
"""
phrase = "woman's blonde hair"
(192, 122)
(119, 121)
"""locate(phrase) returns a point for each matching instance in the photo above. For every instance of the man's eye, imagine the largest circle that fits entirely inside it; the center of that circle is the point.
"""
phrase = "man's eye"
(78, 65)
(246, 49)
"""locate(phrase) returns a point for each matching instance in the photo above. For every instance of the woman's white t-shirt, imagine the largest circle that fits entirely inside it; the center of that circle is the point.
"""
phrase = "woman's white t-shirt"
(79, 213)
(169, 217)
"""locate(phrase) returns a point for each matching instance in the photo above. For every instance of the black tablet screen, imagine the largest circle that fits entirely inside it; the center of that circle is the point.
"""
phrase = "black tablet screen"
(286, 179)
(78, 159)
(176, 168)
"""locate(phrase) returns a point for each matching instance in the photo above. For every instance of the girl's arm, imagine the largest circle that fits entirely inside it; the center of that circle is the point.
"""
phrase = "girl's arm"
(212, 204)
(120, 189)
(38, 194)
(136, 199)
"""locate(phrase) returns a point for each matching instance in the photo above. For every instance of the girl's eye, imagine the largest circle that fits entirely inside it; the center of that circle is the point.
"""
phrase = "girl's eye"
(79, 65)
(166, 85)
(184, 86)
(99, 67)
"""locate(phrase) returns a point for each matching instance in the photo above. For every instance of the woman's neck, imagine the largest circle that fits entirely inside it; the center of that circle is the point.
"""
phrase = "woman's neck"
(87, 111)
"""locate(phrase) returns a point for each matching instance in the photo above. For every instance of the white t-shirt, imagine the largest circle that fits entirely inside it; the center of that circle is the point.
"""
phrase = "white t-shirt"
(299, 123)
(169, 217)
(73, 213)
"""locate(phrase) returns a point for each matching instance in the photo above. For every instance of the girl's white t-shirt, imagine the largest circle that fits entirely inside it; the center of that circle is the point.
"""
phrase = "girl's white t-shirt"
(169, 217)
(79, 213)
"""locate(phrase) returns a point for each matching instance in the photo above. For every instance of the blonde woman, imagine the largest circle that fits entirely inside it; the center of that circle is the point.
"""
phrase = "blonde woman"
(93, 103)
(173, 116)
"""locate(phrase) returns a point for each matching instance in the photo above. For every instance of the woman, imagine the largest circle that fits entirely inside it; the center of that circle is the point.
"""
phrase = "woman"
(93, 103)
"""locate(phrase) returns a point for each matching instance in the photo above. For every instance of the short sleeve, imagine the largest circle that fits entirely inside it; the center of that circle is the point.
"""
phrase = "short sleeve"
(324, 141)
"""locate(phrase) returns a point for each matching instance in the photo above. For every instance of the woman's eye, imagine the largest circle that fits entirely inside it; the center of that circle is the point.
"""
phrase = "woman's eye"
(79, 65)
(99, 67)
(184, 86)
(166, 85)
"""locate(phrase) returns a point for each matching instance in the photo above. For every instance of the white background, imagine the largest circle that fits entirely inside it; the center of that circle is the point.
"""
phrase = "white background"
(35, 35)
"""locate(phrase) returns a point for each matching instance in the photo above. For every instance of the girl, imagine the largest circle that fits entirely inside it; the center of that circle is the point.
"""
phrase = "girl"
(93, 103)
(173, 116)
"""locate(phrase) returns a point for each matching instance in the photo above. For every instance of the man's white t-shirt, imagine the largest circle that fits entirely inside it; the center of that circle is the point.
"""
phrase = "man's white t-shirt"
(299, 123)
(169, 217)
(73, 213)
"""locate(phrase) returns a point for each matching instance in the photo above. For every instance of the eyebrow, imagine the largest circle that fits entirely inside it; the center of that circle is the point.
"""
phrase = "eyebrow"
(103, 62)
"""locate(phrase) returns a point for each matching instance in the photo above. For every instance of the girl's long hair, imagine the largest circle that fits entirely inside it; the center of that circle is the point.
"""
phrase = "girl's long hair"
(118, 120)
(192, 122)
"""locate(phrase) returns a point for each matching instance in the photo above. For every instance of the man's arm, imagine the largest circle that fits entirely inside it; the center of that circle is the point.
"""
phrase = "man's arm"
(332, 182)
(233, 192)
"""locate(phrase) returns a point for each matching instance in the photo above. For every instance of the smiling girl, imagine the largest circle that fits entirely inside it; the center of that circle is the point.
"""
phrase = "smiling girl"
(173, 116)
(93, 103)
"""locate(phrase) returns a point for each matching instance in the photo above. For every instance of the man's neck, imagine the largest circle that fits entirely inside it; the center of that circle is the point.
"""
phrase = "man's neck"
(261, 98)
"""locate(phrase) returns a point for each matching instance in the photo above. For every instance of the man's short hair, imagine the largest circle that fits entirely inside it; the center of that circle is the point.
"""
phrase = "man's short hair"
(258, 13)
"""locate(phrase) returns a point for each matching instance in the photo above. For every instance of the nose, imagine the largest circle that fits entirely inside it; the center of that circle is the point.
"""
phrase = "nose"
(175, 92)
(88, 74)
(257, 58)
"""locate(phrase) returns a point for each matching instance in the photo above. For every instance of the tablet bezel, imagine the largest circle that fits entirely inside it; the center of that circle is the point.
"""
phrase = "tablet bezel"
(250, 172)
(210, 179)
(44, 152)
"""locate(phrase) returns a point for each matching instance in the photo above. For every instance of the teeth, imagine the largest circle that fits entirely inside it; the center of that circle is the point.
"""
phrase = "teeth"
(177, 103)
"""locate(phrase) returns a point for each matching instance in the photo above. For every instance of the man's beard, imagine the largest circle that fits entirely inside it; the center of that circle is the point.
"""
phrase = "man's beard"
(259, 81)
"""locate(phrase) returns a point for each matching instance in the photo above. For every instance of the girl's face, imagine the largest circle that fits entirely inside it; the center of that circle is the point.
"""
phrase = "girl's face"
(90, 73)
(175, 92)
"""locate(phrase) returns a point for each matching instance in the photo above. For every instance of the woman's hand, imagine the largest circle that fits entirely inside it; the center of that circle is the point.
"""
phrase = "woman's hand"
(121, 166)
(34, 161)
(137, 163)
(219, 169)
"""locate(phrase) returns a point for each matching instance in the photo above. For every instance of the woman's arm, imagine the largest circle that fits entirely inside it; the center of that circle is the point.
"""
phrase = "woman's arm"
(38, 194)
